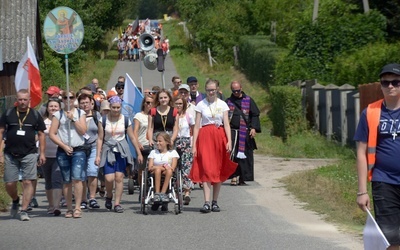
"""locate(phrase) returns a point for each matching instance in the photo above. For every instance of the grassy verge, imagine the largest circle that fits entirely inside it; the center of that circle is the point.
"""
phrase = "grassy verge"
(327, 190)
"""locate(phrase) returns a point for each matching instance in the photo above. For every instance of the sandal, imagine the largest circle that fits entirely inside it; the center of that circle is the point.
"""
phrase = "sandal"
(186, 200)
(206, 208)
(215, 207)
(69, 214)
(234, 181)
(56, 212)
(77, 213)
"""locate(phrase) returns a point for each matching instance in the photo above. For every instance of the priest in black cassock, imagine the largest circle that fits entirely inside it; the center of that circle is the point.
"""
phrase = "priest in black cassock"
(244, 117)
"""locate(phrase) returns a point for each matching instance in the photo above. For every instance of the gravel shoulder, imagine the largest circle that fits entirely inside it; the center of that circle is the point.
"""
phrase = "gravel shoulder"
(272, 195)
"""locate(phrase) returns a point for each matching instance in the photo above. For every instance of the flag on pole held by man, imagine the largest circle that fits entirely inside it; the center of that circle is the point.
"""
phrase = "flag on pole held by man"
(28, 76)
(131, 104)
(135, 26)
(132, 97)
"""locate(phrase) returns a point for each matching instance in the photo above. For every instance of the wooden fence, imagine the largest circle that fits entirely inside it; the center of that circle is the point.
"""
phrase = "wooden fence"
(335, 110)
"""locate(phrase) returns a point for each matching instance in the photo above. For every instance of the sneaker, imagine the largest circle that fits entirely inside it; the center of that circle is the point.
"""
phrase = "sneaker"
(34, 202)
(118, 209)
(157, 197)
(29, 208)
(206, 208)
(108, 204)
(93, 203)
(14, 209)
(23, 215)
(84, 205)
(215, 207)
(164, 198)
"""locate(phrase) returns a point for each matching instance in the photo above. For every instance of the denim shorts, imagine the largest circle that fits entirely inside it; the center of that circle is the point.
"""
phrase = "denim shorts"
(73, 167)
(118, 166)
(92, 169)
(386, 199)
(26, 165)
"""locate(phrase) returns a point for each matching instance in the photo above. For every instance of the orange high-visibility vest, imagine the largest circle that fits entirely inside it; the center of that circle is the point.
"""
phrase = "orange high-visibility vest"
(373, 117)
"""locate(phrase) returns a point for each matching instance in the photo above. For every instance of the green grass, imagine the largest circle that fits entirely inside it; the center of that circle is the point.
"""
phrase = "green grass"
(331, 192)
(94, 68)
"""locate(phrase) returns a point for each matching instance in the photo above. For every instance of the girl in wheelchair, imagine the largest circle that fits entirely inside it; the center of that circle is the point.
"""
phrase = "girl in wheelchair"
(162, 161)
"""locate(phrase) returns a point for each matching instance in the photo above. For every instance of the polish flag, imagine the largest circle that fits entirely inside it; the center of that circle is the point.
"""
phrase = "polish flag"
(28, 76)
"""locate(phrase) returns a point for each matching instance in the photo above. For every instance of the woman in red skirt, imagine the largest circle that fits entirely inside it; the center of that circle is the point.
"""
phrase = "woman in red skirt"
(211, 146)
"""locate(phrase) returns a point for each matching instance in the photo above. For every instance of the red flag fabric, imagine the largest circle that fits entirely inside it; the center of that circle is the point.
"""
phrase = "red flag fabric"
(28, 76)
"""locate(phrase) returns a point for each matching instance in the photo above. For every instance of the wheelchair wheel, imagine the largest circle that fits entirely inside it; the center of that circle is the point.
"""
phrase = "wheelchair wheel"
(131, 186)
(179, 190)
(143, 193)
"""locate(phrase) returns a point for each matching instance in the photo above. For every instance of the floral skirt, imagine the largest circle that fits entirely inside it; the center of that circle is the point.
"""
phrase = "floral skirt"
(184, 149)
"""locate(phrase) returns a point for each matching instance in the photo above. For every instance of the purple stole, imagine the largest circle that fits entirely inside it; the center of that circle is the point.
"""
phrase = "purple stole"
(245, 107)
(199, 97)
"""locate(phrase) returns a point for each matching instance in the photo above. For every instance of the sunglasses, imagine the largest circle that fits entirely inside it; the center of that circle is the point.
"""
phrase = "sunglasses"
(54, 99)
(211, 90)
(120, 87)
(395, 83)
(100, 91)
(66, 97)
(235, 91)
(148, 103)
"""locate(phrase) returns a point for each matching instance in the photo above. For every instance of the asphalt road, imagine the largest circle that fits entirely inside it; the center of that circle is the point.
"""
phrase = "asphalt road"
(250, 216)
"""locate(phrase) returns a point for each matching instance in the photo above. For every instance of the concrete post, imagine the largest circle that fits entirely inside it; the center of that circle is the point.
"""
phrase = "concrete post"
(344, 90)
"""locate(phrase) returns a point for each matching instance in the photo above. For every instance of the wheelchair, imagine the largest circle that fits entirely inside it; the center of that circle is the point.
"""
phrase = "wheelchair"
(174, 192)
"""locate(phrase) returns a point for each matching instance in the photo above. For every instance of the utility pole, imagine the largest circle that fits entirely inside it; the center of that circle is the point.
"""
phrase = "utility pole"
(315, 12)
(366, 6)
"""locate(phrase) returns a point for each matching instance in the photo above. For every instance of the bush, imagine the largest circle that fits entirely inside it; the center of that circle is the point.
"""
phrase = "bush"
(364, 65)
(286, 114)
(337, 30)
(257, 58)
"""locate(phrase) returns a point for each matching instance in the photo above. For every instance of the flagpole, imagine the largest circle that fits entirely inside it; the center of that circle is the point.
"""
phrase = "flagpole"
(68, 101)
(163, 79)
(141, 75)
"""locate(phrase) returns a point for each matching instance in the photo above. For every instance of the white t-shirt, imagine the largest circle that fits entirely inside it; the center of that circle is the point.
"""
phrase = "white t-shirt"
(212, 113)
(76, 138)
(115, 130)
(51, 147)
(165, 158)
(184, 125)
(143, 125)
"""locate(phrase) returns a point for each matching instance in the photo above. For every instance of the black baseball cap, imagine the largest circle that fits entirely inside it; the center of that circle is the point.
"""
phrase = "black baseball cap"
(191, 79)
(119, 84)
(393, 68)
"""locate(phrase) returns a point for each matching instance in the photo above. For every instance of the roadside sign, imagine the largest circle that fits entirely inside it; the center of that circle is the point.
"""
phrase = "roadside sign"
(63, 30)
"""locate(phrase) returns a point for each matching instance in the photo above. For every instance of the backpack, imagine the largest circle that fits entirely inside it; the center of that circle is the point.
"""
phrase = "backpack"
(35, 113)
(94, 115)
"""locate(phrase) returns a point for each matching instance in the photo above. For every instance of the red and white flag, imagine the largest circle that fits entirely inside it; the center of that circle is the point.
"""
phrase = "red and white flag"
(28, 76)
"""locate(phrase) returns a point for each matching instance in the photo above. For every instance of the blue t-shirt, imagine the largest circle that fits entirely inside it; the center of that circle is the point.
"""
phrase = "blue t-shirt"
(387, 162)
